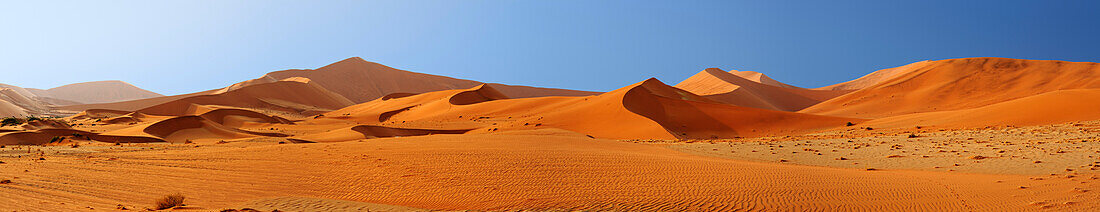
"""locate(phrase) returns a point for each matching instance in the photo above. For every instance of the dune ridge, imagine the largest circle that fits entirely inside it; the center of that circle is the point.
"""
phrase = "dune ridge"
(957, 84)
(730, 88)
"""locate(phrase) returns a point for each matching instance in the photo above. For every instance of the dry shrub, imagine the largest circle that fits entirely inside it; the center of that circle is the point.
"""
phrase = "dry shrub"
(170, 201)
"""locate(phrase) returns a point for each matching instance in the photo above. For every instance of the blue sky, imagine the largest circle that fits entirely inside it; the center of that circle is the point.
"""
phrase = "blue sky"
(175, 47)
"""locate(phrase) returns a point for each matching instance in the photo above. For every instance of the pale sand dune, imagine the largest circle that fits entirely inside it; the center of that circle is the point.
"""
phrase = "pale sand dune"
(132, 105)
(730, 88)
(7, 109)
(362, 81)
(957, 84)
(99, 92)
(503, 172)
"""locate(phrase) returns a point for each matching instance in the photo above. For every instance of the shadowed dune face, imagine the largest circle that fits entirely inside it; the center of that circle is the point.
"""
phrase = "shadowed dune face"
(646, 110)
(479, 94)
(385, 132)
(238, 117)
(957, 84)
(184, 128)
(44, 136)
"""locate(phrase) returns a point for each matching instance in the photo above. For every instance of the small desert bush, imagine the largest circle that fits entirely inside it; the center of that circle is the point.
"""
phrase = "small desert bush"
(170, 201)
(11, 121)
(32, 118)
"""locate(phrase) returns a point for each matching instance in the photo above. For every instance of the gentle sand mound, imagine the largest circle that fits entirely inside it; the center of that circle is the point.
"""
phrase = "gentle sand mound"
(957, 84)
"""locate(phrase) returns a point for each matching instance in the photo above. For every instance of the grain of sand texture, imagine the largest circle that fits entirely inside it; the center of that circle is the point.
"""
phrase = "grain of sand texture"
(499, 172)
(972, 134)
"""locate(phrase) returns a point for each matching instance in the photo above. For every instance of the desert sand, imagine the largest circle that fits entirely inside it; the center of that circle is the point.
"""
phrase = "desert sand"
(971, 134)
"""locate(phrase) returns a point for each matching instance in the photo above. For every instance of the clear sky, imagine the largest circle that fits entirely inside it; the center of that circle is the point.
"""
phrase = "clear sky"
(175, 47)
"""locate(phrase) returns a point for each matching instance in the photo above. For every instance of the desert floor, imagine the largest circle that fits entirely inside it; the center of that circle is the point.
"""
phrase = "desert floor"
(992, 169)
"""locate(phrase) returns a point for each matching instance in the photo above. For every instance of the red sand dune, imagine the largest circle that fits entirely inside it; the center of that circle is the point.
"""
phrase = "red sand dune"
(957, 84)
(286, 96)
(730, 88)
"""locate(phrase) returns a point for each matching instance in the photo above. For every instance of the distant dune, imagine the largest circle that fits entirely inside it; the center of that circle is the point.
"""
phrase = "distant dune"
(296, 97)
(97, 92)
(362, 81)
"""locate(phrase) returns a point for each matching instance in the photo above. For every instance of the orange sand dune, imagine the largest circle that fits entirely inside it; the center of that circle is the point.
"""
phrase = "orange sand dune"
(44, 124)
(45, 136)
(730, 88)
(875, 77)
(1048, 108)
(286, 96)
(508, 173)
(362, 81)
(99, 114)
(194, 128)
(957, 84)
(238, 117)
(646, 110)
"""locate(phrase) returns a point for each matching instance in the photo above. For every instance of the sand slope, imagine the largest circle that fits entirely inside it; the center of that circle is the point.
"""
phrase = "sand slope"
(132, 105)
(97, 92)
(760, 78)
(362, 81)
(286, 96)
(875, 77)
(1048, 108)
(504, 173)
(730, 88)
(957, 84)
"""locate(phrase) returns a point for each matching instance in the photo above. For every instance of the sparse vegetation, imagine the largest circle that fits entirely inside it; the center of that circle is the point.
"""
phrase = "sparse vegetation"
(170, 201)
(32, 118)
(851, 124)
(12, 121)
